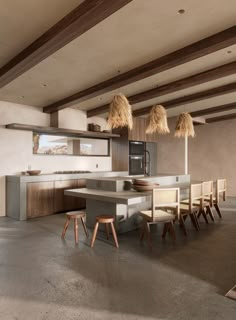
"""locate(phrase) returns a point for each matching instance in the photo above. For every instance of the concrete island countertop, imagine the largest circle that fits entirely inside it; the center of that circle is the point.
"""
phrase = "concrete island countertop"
(123, 197)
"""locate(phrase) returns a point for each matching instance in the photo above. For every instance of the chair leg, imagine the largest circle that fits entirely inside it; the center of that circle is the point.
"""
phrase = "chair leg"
(65, 227)
(76, 230)
(165, 229)
(193, 221)
(217, 209)
(142, 232)
(114, 235)
(196, 220)
(181, 221)
(204, 216)
(94, 234)
(149, 239)
(84, 226)
(209, 211)
(171, 230)
(107, 230)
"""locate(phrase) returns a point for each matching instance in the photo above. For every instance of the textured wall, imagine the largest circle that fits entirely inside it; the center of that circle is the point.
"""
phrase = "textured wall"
(212, 153)
(16, 146)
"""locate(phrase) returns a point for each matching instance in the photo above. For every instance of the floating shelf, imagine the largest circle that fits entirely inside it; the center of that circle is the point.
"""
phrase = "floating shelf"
(61, 131)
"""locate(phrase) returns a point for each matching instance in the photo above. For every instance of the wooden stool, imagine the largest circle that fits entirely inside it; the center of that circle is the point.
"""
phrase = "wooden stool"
(106, 220)
(74, 215)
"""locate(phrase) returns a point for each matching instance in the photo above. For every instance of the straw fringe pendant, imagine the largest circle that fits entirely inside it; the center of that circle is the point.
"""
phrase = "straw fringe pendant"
(184, 126)
(157, 121)
(120, 113)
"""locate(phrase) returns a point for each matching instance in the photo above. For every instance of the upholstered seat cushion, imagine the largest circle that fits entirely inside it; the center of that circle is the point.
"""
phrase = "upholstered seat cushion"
(159, 215)
(208, 198)
(184, 207)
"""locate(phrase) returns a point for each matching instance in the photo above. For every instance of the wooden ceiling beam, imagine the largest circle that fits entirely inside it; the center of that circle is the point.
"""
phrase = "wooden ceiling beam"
(222, 108)
(222, 118)
(206, 94)
(191, 52)
(185, 83)
(78, 21)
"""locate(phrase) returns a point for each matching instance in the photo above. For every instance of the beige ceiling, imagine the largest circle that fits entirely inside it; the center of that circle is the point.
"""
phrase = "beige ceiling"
(137, 33)
(23, 21)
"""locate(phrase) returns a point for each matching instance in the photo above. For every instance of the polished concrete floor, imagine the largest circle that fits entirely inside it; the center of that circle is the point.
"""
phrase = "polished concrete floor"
(43, 277)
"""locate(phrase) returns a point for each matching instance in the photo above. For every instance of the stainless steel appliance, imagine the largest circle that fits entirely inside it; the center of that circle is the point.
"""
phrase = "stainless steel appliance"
(136, 158)
(142, 158)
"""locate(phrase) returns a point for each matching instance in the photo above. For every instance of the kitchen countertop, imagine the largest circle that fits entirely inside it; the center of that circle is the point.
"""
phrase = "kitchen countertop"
(123, 197)
(64, 176)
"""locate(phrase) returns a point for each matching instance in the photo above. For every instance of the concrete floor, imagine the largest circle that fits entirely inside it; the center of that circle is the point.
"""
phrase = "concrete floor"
(43, 277)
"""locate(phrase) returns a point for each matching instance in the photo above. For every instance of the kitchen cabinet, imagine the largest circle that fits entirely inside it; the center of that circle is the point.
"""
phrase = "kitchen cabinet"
(64, 203)
(138, 131)
(40, 199)
(120, 146)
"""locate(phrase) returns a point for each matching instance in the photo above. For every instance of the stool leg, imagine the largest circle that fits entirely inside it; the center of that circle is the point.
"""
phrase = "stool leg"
(84, 226)
(76, 230)
(107, 230)
(65, 227)
(94, 234)
(114, 234)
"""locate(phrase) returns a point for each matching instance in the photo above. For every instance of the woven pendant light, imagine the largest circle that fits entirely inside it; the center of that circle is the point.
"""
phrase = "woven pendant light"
(157, 120)
(184, 126)
(120, 113)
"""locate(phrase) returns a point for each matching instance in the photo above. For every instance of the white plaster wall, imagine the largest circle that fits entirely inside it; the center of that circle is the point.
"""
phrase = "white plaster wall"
(16, 146)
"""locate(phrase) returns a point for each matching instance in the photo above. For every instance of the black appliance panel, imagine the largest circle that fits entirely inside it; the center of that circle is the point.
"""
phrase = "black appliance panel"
(136, 165)
(136, 148)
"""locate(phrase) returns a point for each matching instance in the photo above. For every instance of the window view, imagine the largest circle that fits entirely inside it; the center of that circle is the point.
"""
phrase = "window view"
(61, 145)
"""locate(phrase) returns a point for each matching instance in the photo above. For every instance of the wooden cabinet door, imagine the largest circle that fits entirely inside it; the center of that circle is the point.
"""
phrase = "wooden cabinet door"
(40, 199)
(138, 131)
(64, 203)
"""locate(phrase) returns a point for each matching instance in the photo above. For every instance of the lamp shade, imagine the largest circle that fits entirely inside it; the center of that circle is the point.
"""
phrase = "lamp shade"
(120, 112)
(184, 126)
(157, 120)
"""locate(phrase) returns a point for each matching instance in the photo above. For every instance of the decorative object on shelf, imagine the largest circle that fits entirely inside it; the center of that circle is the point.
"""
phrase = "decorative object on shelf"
(94, 127)
(157, 121)
(120, 113)
(184, 126)
(33, 172)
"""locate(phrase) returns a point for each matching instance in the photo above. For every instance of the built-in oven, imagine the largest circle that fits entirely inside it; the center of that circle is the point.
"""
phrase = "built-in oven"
(136, 148)
(136, 157)
(136, 165)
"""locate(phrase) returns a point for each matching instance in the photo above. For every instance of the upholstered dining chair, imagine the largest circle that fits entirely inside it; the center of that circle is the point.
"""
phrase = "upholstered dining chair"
(220, 194)
(192, 206)
(207, 189)
(162, 200)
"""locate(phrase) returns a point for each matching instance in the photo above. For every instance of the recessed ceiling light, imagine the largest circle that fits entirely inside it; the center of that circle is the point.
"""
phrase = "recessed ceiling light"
(181, 11)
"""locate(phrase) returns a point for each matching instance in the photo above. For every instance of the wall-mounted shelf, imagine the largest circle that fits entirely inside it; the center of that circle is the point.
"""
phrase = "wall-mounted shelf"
(61, 131)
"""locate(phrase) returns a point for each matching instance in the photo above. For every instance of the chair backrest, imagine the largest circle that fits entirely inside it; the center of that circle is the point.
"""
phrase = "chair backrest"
(196, 193)
(207, 190)
(164, 198)
(220, 189)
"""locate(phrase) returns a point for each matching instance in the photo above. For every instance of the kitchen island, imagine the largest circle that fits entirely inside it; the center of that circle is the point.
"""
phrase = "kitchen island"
(113, 196)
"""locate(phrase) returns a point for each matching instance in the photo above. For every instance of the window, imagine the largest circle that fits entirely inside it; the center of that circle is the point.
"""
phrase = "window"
(62, 145)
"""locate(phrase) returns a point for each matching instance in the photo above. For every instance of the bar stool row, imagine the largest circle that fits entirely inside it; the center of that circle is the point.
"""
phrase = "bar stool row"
(106, 220)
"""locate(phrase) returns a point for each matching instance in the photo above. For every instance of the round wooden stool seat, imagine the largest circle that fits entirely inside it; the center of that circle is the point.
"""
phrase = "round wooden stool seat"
(108, 221)
(75, 215)
(105, 219)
